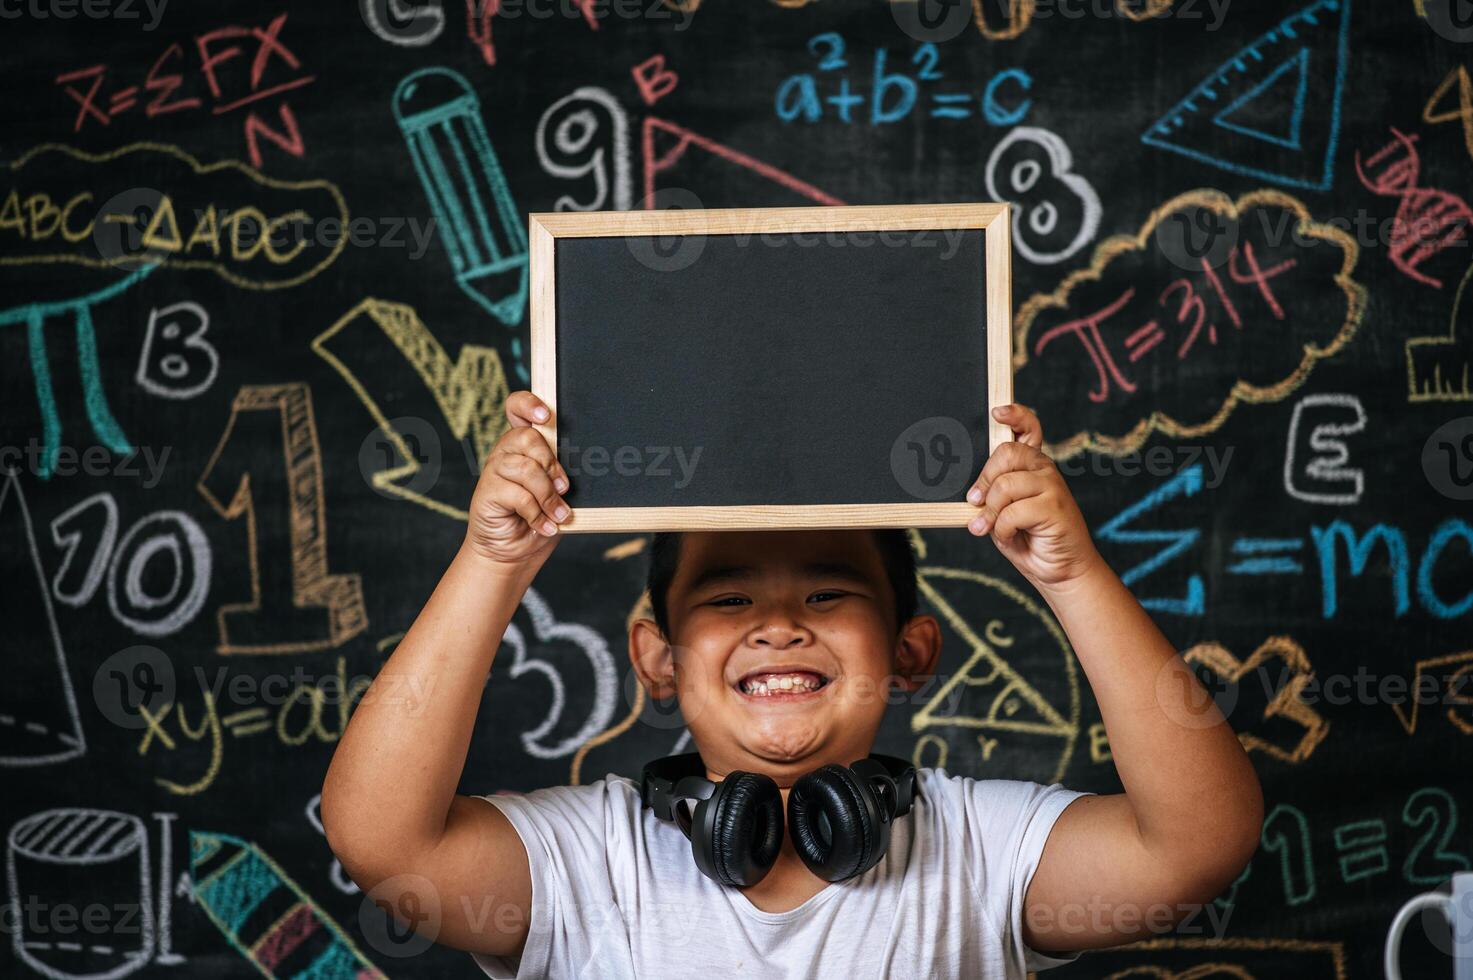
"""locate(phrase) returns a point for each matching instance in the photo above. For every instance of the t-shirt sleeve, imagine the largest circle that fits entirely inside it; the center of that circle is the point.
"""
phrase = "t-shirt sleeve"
(564, 829)
(1009, 821)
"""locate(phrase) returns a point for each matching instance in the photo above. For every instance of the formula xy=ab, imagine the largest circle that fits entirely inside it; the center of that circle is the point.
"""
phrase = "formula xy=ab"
(894, 93)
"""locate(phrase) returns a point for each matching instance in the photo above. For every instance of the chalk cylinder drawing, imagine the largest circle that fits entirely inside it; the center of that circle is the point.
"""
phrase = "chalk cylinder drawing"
(477, 221)
(82, 860)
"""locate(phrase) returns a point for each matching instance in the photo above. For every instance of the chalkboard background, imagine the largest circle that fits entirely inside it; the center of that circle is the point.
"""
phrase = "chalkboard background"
(1248, 324)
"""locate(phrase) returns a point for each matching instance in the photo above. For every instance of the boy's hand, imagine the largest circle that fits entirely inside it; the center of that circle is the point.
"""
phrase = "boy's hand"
(517, 505)
(1028, 508)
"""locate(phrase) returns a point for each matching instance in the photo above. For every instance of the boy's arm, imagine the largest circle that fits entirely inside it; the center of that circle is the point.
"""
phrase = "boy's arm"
(389, 806)
(1118, 867)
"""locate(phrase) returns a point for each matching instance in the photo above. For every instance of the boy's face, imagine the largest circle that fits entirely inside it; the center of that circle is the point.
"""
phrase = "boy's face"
(782, 648)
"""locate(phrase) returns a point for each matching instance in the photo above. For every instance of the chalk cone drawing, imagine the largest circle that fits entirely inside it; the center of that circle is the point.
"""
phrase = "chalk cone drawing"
(39, 723)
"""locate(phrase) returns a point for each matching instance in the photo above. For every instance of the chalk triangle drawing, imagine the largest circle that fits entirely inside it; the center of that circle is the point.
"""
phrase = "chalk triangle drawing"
(669, 163)
(1280, 100)
(1264, 97)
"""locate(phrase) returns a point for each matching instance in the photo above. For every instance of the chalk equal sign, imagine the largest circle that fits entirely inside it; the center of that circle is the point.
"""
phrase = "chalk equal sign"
(266, 916)
(475, 217)
(1266, 556)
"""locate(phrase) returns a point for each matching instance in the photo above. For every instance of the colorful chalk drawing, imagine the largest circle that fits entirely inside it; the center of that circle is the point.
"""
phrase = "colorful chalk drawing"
(585, 134)
(402, 24)
(1440, 369)
(300, 607)
(314, 712)
(170, 534)
(270, 60)
(1324, 478)
(1428, 221)
(439, 116)
(894, 95)
(186, 364)
(988, 704)
(470, 391)
(1363, 848)
(39, 722)
(56, 857)
(1285, 705)
(1174, 542)
(1454, 673)
(236, 881)
(1271, 111)
(666, 146)
(1434, 115)
(94, 397)
(232, 227)
(1043, 232)
(593, 659)
(1277, 275)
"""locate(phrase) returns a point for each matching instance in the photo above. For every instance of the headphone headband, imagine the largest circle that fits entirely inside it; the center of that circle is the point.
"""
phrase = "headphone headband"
(677, 777)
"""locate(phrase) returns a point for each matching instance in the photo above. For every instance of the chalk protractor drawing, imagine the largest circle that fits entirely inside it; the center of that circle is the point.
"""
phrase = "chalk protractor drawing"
(1273, 109)
(994, 717)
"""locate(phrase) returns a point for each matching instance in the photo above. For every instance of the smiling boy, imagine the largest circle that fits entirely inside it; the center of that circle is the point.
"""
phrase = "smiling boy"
(783, 648)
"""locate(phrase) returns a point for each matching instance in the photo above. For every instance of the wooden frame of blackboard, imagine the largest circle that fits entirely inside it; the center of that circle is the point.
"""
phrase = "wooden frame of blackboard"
(993, 220)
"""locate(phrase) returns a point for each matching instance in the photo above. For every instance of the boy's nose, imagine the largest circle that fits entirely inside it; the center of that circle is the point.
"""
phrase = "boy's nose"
(779, 636)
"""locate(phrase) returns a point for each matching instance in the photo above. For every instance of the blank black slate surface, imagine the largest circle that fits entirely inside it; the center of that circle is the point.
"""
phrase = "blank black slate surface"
(780, 373)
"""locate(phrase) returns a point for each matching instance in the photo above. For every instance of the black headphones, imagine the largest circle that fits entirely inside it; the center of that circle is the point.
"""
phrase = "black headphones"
(838, 816)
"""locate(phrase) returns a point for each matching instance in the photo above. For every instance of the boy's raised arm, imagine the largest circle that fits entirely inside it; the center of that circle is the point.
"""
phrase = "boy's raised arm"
(1116, 867)
(389, 806)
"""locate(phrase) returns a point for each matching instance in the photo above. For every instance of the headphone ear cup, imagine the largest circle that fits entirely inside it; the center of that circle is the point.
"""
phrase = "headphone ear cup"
(747, 828)
(831, 798)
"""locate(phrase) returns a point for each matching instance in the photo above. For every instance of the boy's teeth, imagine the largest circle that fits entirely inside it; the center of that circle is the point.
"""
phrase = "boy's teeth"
(768, 684)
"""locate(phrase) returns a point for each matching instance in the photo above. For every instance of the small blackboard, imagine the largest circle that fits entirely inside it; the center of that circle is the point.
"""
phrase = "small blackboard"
(772, 367)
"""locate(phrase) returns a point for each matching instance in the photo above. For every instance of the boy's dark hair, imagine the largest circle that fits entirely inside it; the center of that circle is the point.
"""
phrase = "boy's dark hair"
(895, 554)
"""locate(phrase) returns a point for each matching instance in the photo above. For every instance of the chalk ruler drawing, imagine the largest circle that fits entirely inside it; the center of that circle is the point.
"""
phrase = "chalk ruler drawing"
(1272, 110)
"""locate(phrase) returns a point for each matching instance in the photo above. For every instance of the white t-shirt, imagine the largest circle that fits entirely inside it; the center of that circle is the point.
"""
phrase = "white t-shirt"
(615, 892)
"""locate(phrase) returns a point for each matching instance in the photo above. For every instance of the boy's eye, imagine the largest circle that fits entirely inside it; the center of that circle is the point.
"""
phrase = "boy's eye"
(825, 596)
(728, 600)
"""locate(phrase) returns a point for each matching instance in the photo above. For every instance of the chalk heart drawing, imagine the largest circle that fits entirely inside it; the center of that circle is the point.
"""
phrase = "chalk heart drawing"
(253, 231)
(544, 741)
(1285, 301)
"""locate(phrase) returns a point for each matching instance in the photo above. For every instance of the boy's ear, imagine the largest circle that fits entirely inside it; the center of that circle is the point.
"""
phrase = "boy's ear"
(653, 659)
(917, 651)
